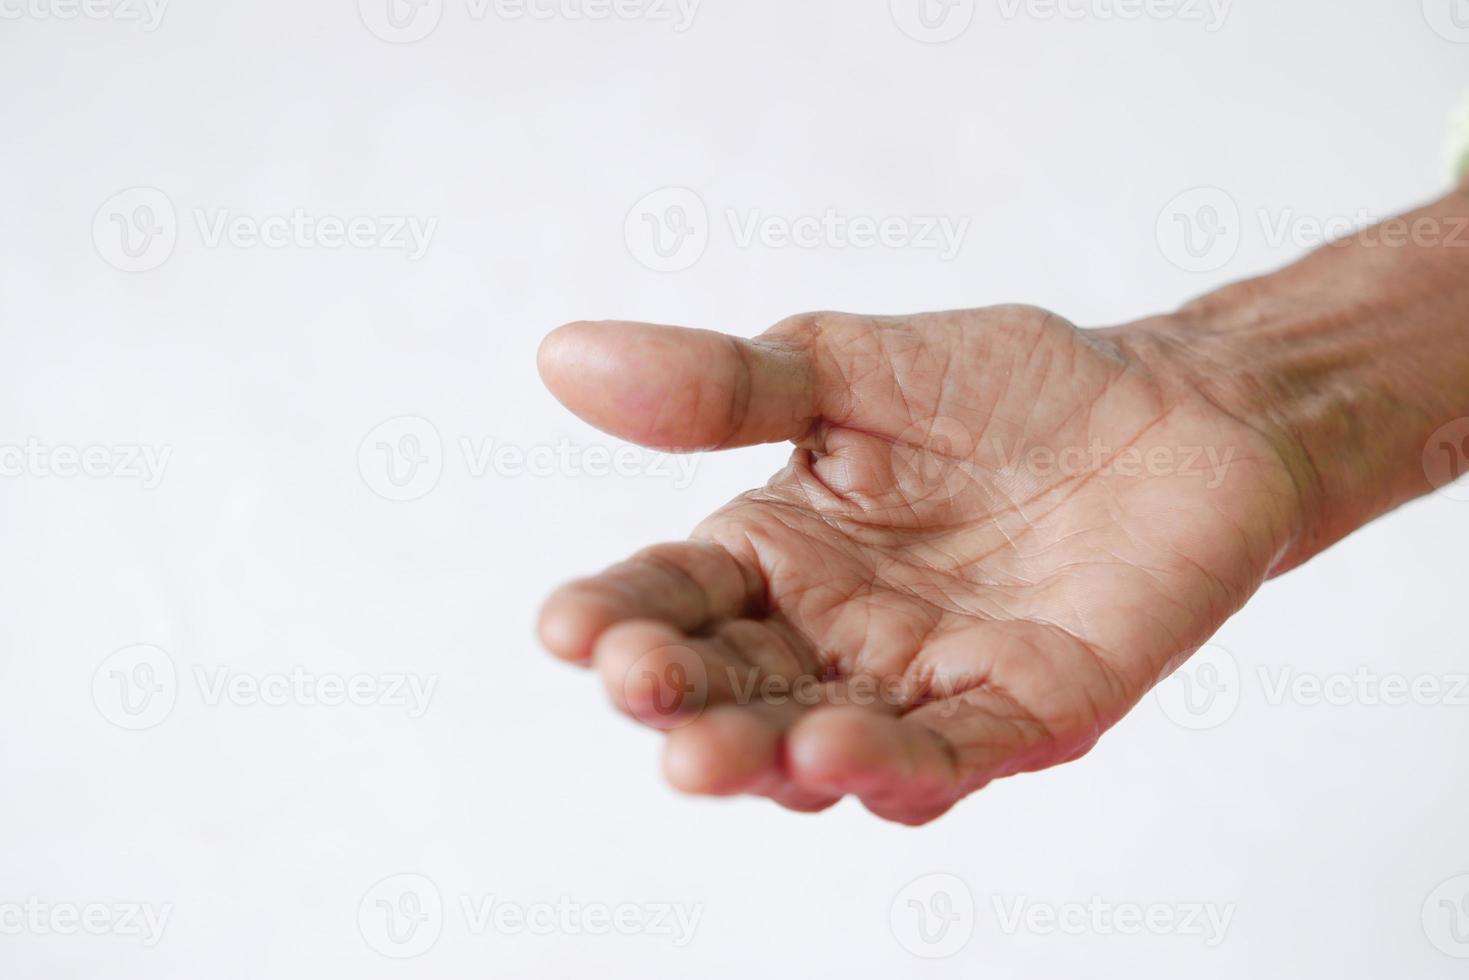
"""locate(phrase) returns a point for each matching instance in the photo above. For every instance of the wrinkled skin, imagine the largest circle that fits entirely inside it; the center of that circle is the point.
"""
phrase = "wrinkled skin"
(925, 599)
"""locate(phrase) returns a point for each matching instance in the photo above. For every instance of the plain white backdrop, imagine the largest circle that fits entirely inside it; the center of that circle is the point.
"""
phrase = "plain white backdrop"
(282, 491)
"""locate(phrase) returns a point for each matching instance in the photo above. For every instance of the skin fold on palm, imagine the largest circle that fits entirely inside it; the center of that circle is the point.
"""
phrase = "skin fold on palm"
(995, 534)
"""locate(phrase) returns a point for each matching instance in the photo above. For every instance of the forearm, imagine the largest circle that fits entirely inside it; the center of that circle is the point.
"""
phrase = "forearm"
(1351, 361)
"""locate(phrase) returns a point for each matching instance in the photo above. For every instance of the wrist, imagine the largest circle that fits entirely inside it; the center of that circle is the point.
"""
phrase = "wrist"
(1208, 349)
(1348, 364)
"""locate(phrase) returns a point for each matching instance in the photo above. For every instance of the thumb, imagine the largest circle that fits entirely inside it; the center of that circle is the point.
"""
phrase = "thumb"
(679, 389)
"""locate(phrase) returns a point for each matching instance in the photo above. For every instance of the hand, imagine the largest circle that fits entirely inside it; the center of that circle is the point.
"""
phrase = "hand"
(995, 535)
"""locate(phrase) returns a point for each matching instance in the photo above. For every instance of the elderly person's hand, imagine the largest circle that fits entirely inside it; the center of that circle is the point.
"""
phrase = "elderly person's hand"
(996, 532)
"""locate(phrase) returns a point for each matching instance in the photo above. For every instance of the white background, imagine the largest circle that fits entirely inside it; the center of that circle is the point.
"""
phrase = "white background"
(265, 546)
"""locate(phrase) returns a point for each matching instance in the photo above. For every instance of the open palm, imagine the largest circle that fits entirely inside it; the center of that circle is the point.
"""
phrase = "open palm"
(995, 535)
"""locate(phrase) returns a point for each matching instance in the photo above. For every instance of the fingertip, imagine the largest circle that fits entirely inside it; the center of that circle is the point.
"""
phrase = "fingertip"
(900, 770)
(728, 751)
(651, 674)
(841, 750)
(908, 815)
(570, 622)
(620, 376)
(558, 347)
(804, 801)
(677, 389)
(883, 758)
